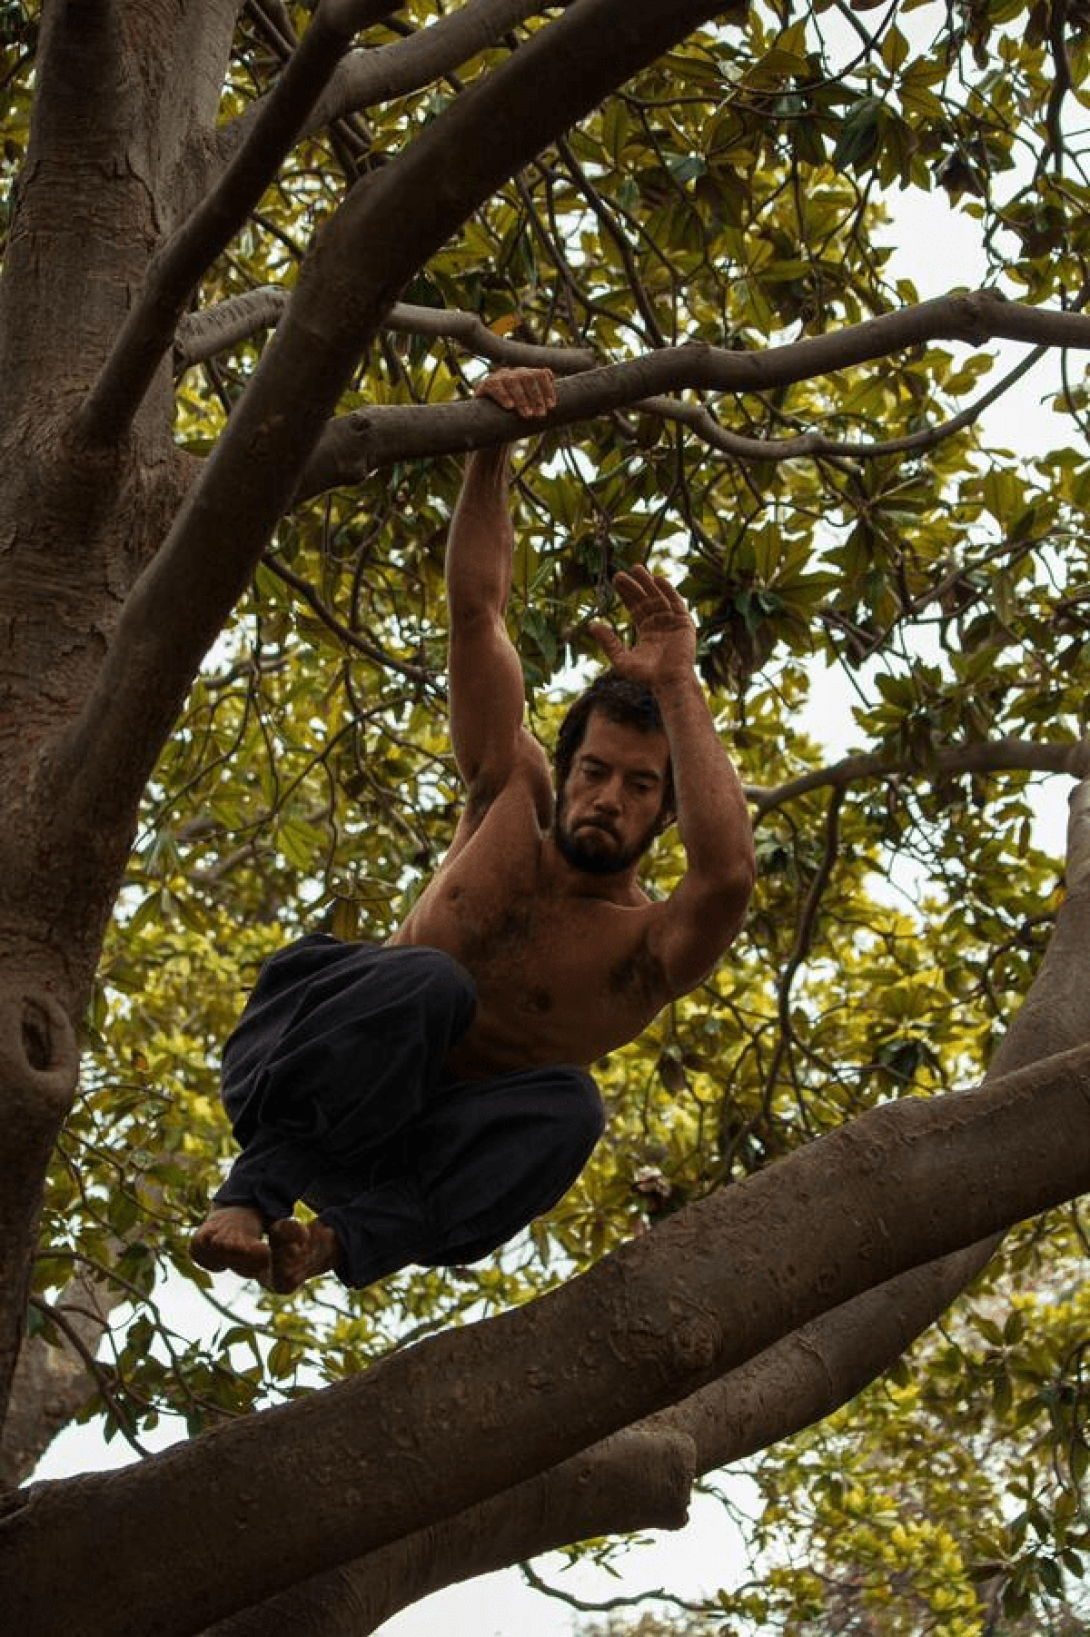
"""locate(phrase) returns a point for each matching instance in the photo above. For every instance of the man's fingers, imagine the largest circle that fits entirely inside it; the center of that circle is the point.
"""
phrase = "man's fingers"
(608, 641)
(638, 588)
(530, 393)
(629, 588)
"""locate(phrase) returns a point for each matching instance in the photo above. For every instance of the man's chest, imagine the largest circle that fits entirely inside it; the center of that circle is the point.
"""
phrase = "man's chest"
(561, 976)
(572, 970)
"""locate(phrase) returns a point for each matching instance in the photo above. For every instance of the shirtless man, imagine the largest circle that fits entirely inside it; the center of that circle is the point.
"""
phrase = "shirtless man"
(466, 1110)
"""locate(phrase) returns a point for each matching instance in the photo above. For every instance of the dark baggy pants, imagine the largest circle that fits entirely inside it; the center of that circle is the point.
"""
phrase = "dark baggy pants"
(336, 1085)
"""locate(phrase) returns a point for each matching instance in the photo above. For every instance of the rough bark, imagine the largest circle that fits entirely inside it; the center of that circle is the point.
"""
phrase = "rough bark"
(107, 163)
(638, 1479)
(38, 1067)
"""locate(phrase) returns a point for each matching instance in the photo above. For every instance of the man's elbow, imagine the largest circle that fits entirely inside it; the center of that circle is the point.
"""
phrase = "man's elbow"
(732, 888)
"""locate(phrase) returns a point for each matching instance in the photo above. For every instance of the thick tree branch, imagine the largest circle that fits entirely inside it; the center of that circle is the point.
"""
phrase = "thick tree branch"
(796, 1382)
(217, 329)
(173, 272)
(365, 78)
(252, 1508)
(639, 1479)
(358, 443)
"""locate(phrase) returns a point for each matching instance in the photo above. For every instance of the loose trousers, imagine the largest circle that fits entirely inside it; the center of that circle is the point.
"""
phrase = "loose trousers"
(336, 1085)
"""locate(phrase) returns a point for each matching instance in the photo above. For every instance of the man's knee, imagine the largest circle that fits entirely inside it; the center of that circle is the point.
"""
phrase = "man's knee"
(437, 972)
(584, 1115)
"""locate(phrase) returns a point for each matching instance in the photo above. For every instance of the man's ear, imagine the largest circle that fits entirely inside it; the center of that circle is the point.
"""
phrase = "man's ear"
(664, 820)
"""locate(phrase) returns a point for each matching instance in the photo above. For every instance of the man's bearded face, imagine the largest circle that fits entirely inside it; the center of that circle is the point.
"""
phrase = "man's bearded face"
(611, 806)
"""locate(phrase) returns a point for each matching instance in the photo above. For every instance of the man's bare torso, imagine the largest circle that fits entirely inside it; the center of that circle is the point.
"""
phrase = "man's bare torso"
(562, 965)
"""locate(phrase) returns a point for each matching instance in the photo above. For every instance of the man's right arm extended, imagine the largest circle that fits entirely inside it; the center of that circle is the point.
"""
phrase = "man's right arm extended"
(486, 684)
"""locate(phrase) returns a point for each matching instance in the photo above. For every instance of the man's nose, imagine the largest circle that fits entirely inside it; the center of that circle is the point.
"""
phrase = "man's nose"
(607, 799)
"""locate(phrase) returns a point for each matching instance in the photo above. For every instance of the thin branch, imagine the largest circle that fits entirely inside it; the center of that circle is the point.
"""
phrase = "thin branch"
(582, 1606)
(475, 336)
(95, 1370)
(803, 942)
(816, 444)
(216, 329)
(987, 756)
(350, 638)
(609, 226)
(173, 272)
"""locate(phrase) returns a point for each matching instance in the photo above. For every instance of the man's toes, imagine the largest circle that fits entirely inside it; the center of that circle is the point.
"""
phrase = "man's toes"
(206, 1252)
(227, 1240)
(288, 1235)
(250, 1257)
(288, 1242)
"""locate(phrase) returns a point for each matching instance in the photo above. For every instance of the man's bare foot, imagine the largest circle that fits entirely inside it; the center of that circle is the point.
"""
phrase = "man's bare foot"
(232, 1237)
(300, 1250)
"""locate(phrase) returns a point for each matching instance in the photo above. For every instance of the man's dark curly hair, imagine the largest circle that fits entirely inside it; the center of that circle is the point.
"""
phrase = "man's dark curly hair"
(621, 700)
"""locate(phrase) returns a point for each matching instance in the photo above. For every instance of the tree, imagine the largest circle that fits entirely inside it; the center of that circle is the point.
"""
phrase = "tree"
(244, 247)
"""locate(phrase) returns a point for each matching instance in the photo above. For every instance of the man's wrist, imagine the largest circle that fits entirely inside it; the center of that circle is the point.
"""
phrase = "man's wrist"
(677, 684)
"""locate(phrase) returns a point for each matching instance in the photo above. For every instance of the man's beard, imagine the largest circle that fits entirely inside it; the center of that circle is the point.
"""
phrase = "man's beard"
(582, 851)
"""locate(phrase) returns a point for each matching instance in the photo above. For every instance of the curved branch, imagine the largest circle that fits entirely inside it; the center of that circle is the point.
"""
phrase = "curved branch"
(202, 335)
(638, 1479)
(475, 336)
(174, 270)
(815, 444)
(987, 756)
(355, 444)
(365, 78)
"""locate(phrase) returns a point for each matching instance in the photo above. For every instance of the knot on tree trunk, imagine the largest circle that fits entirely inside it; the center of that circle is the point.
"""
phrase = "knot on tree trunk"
(39, 1056)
